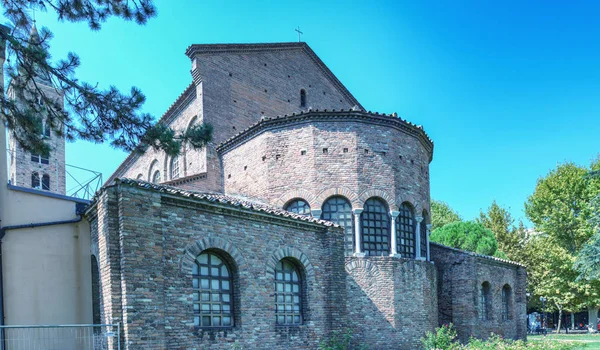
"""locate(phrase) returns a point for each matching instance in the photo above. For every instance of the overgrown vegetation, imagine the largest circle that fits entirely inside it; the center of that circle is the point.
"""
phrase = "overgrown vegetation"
(444, 338)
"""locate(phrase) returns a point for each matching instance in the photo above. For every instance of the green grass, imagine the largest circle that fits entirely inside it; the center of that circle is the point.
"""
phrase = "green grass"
(587, 341)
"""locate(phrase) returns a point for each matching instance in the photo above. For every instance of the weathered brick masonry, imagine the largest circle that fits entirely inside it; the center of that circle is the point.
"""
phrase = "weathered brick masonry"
(286, 130)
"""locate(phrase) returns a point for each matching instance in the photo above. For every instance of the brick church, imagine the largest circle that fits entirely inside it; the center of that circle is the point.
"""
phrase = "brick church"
(306, 216)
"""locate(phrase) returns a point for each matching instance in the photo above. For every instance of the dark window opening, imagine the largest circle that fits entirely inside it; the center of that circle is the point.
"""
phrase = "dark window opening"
(338, 210)
(35, 180)
(405, 232)
(299, 206)
(375, 225)
(213, 294)
(288, 294)
(46, 182)
(423, 235)
(302, 98)
(484, 301)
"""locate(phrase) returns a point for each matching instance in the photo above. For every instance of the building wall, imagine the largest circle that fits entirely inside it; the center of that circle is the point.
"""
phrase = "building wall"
(318, 159)
(391, 302)
(46, 270)
(461, 275)
(22, 167)
(156, 233)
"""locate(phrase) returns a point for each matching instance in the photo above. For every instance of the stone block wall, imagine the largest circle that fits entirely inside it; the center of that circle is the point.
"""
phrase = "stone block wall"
(460, 277)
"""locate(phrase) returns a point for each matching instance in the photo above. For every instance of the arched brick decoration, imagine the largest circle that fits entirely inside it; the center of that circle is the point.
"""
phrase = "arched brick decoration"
(364, 264)
(291, 253)
(391, 202)
(192, 250)
(337, 191)
(301, 193)
(154, 165)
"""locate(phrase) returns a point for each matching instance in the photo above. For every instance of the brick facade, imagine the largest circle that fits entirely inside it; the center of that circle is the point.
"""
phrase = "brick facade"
(268, 150)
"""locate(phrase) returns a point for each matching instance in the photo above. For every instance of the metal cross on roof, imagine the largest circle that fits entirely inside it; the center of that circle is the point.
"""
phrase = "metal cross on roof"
(299, 32)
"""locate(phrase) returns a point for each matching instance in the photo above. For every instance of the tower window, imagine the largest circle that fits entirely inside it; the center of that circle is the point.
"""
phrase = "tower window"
(405, 231)
(299, 206)
(302, 98)
(46, 129)
(38, 158)
(156, 177)
(35, 180)
(174, 168)
(46, 182)
(375, 228)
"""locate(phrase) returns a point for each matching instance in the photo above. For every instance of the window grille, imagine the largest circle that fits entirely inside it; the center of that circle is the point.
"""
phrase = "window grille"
(213, 294)
(35, 180)
(423, 235)
(156, 177)
(46, 182)
(405, 230)
(505, 302)
(484, 301)
(174, 168)
(375, 225)
(288, 295)
(338, 210)
(299, 206)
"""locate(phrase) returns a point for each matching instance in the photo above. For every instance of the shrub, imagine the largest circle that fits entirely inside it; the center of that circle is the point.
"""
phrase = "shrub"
(444, 338)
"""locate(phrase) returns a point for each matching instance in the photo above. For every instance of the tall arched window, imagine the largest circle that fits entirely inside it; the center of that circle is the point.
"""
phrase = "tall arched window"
(484, 301)
(302, 98)
(375, 228)
(174, 168)
(156, 177)
(506, 296)
(298, 206)
(213, 291)
(46, 182)
(46, 129)
(338, 210)
(423, 232)
(35, 180)
(288, 294)
(405, 231)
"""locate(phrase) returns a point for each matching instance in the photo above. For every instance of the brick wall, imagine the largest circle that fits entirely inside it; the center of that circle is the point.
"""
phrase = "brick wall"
(315, 159)
(461, 275)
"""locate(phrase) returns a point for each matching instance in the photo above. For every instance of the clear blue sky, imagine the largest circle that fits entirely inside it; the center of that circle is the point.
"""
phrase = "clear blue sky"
(506, 89)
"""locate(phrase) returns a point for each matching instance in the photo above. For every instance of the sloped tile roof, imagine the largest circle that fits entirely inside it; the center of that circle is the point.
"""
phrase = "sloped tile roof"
(477, 254)
(219, 198)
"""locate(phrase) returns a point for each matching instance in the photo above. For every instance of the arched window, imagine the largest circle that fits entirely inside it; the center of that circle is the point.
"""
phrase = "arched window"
(298, 206)
(46, 182)
(338, 210)
(213, 291)
(156, 177)
(506, 296)
(375, 228)
(484, 301)
(95, 291)
(288, 294)
(302, 98)
(423, 235)
(174, 168)
(46, 129)
(140, 177)
(35, 180)
(405, 231)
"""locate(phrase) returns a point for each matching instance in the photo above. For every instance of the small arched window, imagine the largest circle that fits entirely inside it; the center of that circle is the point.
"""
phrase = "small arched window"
(156, 177)
(298, 206)
(405, 231)
(338, 210)
(46, 129)
(423, 234)
(140, 177)
(213, 291)
(302, 98)
(35, 180)
(375, 228)
(174, 168)
(506, 296)
(46, 182)
(288, 294)
(484, 301)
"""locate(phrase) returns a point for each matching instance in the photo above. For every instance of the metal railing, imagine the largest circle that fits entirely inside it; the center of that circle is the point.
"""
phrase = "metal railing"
(63, 337)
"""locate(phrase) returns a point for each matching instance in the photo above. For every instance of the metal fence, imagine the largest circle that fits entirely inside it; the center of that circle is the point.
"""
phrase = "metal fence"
(61, 337)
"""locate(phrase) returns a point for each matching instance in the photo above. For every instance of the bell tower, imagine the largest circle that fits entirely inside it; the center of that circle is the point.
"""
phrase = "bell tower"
(44, 172)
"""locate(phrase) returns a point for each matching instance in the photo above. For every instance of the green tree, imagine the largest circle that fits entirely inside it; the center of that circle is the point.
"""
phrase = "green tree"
(560, 206)
(467, 235)
(510, 238)
(588, 259)
(442, 214)
(91, 113)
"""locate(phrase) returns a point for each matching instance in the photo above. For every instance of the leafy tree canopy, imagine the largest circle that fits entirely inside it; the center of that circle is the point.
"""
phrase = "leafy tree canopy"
(442, 214)
(560, 206)
(510, 238)
(90, 113)
(588, 259)
(466, 235)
